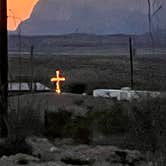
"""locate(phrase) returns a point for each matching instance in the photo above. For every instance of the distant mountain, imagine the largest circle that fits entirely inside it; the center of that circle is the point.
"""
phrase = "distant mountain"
(54, 17)
(76, 42)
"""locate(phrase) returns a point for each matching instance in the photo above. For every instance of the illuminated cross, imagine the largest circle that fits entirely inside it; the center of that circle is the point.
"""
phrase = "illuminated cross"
(57, 79)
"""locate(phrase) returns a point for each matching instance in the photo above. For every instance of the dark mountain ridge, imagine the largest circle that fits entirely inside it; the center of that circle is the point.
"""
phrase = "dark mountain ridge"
(76, 41)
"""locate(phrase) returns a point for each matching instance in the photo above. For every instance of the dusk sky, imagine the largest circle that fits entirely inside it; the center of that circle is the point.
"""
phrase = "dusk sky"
(21, 10)
(83, 16)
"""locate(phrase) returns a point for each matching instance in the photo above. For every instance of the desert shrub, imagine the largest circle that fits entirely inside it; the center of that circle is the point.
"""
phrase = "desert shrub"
(56, 123)
(3, 118)
(23, 123)
(63, 125)
(142, 123)
(77, 88)
(78, 102)
(22, 162)
(157, 159)
(11, 147)
(111, 121)
(78, 128)
(3, 127)
(148, 129)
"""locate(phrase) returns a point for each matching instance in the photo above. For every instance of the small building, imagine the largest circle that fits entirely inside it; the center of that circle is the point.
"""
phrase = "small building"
(125, 94)
(26, 87)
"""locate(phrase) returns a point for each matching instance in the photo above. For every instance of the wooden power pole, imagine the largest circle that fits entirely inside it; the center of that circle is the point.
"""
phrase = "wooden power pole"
(3, 68)
(131, 63)
(31, 61)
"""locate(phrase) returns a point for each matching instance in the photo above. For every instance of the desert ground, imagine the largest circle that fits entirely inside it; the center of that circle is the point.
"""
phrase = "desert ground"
(75, 129)
(92, 71)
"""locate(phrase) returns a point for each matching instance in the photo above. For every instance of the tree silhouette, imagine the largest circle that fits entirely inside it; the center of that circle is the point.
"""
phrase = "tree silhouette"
(154, 6)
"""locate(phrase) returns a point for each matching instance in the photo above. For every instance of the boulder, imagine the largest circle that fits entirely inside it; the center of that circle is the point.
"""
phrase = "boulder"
(43, 149)
(85, 154)
(18, 159)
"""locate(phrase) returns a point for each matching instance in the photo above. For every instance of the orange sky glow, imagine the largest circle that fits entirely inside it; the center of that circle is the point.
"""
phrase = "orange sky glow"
(19, 10)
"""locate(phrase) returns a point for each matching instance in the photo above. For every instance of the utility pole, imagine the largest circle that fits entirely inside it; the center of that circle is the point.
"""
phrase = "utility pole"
(3, 68)
(31, 61)
(131, 63)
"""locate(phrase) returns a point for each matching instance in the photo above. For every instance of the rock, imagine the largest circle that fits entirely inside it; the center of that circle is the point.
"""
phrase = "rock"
(18, 159)
(102, 154)
(3, 157)
(52, 164)
(64, 141)
(23, 159)
(54, 149)
(84, 154)
(43, 149)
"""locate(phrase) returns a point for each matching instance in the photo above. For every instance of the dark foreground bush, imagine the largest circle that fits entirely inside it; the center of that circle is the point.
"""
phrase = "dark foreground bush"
(10, 147)
(138, 125)
(62, 124)
(148, 127)
(77, 88)
(109, 122)
(57, 122)
(21, 124)
(25, 122)
(80, 128)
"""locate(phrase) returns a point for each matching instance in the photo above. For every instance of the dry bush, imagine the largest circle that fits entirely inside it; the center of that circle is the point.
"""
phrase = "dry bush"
(77, 88)
(64, 124)
(20, 125)
(56, 123)
(148, 127)
(80, 127)
(25, 122)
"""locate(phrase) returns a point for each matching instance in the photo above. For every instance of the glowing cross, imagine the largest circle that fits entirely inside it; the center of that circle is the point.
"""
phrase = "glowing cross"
(57, 79)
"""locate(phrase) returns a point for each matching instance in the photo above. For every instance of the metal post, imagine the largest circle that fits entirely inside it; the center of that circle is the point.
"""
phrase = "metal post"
(131, 63)
(31, 61)
(3, 68)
